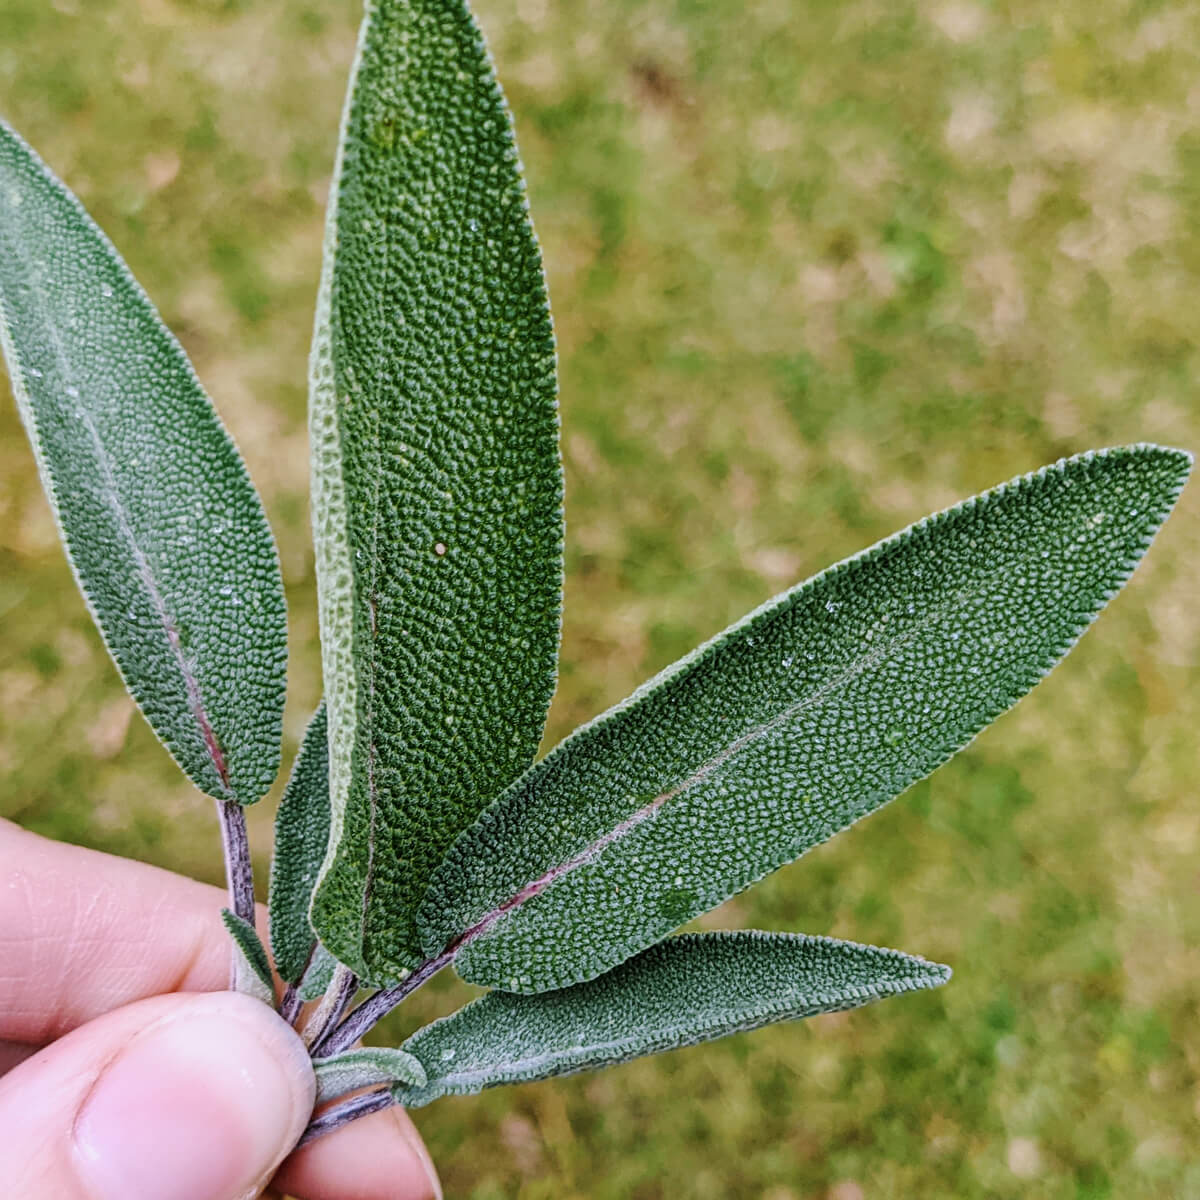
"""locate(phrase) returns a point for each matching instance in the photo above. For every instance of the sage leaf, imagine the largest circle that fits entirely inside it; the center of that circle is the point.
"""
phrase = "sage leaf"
(437, 482)
(319, 975)
(365, 1068)
(301, 836)
(254, 973)
(688, 989)
(803, 717)
(161, 523)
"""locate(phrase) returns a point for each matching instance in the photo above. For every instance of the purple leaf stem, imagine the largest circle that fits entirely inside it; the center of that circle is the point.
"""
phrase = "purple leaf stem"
(236, 845)
(333, 1007)
(372, 1010)
(239, 875)
(349, 1110)
(291, 1004)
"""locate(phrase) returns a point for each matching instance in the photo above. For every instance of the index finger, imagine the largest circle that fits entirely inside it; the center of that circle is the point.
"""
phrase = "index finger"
(82, 933)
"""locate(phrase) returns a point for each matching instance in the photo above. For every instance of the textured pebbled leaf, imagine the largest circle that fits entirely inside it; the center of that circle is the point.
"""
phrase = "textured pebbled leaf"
(437, 485)
(365, 1068)
(161, 523)
(688, 989)
(805, 716)
(253, 958)
(301, 836)
(319, 975)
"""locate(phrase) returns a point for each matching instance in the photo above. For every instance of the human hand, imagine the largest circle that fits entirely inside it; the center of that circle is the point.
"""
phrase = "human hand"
(124, 1074)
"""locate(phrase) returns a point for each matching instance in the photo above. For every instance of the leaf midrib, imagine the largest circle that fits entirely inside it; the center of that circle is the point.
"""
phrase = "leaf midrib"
(597, 847)
(372, 739)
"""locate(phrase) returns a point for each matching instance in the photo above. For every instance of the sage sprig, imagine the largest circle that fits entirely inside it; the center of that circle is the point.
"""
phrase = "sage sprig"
(416, 831)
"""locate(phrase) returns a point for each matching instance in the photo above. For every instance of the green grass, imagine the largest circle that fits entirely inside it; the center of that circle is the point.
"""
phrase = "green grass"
(817, 270)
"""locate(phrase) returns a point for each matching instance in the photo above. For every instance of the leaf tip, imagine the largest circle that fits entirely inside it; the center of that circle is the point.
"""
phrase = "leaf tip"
(934, 974)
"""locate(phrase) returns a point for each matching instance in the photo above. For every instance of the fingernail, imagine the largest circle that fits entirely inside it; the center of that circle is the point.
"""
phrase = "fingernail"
(200, 1106)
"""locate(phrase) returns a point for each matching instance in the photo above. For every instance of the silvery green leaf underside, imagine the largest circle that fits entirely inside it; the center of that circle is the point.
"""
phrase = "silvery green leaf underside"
(688, 989)
(161, 523)
(253, 966)
(367, 1067)
(805, 716)
(319, 975)
(301, 836)
(437, 483)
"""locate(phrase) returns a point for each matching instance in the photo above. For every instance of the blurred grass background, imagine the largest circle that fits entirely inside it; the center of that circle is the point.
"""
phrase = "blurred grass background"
(818, 269)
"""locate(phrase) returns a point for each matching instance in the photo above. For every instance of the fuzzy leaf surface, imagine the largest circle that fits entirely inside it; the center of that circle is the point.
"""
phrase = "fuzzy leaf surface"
(688, 989)
(161, 523)
(367, 1067)
(437, 483)
(254, 974)
(301, 835)
(319, 975)
(806, 715)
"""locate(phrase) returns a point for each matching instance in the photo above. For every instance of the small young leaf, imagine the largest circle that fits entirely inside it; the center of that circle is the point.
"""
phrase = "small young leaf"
(805, 716)
(301, 836)
(161, 523)
(253, 956)
(319, 975)
(688, 989)
(365, 1068)
(437, 484)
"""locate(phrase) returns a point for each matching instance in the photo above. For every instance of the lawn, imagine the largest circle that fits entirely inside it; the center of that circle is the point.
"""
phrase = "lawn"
(817, 270)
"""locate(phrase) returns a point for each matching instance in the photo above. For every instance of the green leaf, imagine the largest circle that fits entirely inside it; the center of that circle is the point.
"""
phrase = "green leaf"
(253, 957)
(365, 1068)
(161, 523)
(319, 975)
(301, 836)
(685, 990)
(805, 716)
(437, 484)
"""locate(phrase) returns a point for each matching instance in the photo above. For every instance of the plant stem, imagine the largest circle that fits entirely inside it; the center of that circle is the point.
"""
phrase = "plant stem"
(337, 998)
(291, 1004)
(236, 844)
(349, 1110)
(372, 1010)
(239, 877)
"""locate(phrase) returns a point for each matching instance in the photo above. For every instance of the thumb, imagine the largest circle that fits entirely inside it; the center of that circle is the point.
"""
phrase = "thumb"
(180, 1097)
